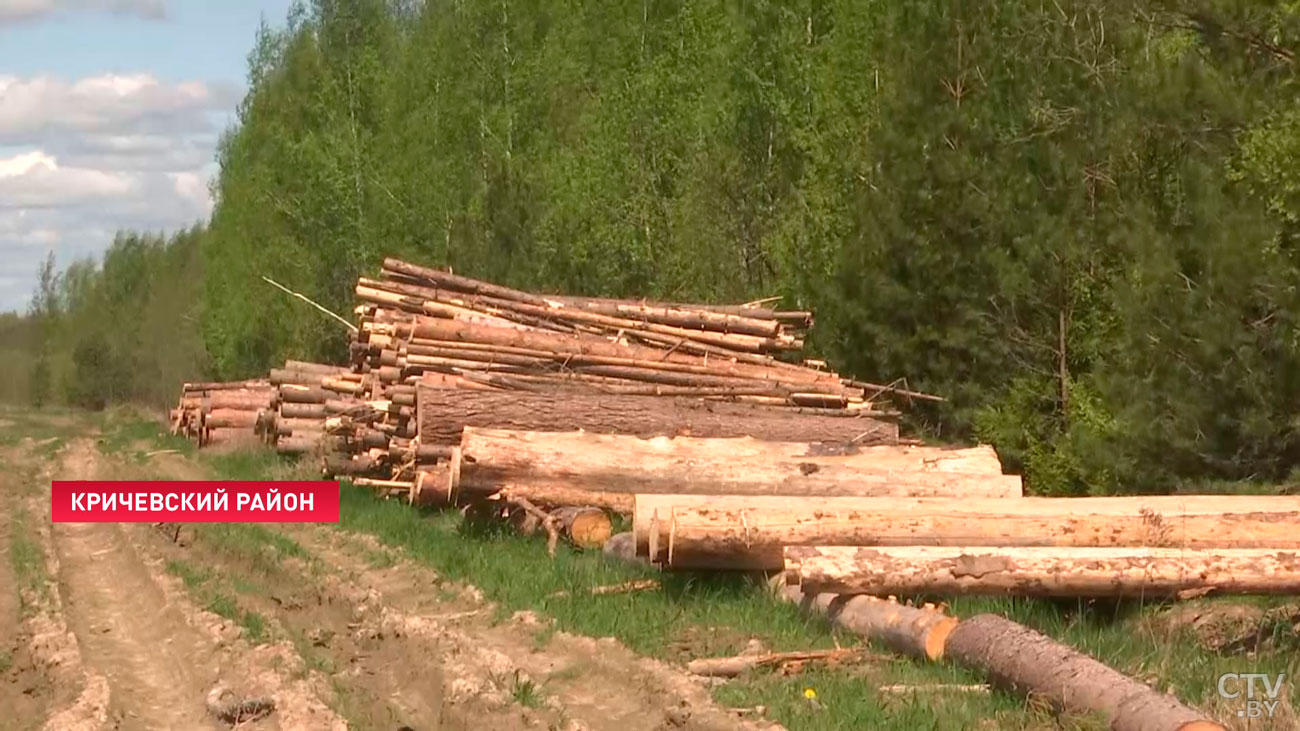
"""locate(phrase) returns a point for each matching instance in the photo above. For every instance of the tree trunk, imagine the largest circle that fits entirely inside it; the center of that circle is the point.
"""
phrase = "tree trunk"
(435, 484)
(244, 400)
(583, 344)
(547, 496)
(585, 526)
(689, 465)
(709, 531)
(303, 411)
(231, 418)
(1021, 660)
(322, 368)
(1051, 571)
(919, 633)
(295, 394)
(445, 412)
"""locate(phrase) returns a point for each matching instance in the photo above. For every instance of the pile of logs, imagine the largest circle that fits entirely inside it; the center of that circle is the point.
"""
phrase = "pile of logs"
(416, 320)
(217, 413)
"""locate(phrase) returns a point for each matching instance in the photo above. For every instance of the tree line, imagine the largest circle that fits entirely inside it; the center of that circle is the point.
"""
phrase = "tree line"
(1075, 220)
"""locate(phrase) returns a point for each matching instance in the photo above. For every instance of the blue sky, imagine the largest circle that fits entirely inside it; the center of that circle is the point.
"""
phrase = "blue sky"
(109, 116)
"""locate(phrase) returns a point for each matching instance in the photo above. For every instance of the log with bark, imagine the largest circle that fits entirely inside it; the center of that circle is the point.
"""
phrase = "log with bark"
(708, 531)
(1043, 571)
(1024, 661)
(445, 412)
(917, 632)
(616, 463)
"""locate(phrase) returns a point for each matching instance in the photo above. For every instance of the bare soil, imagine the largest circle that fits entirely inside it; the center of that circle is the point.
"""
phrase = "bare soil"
(357, 636)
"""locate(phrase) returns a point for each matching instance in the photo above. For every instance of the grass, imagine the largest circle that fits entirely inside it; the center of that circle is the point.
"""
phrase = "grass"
(211, 592)
(26, 559)
(698, 615)
(6, 660)
(124, 429)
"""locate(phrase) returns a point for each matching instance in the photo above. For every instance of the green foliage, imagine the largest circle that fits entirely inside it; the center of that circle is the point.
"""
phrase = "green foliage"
(1077, 220)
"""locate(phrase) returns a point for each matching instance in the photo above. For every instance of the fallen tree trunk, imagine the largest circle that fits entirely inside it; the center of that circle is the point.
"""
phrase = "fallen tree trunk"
(444, 413)
(688, 465)
(231, 418)
(700, 531)
(1042, 572)
(585, 344)
(303, 411)
(919, 633)
(1026, 662)
(584, 526)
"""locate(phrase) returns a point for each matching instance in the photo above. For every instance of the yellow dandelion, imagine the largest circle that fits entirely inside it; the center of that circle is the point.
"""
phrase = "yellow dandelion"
(810, 694)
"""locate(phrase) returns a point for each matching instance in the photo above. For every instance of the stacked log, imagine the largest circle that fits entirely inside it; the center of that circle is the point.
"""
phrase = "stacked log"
(221, 412)
(416, 320)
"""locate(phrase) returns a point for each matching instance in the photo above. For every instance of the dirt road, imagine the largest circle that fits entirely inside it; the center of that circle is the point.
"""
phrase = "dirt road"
(131, 627)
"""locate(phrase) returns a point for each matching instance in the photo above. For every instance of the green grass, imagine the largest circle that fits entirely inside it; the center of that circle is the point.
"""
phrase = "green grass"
(697, 615)
(6, 660)
(124, 429)
(209, 590)
(26, 559)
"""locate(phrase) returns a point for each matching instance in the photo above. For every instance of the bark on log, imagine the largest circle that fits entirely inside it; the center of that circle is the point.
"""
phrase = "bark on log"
(231, 418)
(225, 386)
(444, 413)
(435, 485)
(919, 633)
(1021, 660)
(246, 400)
(689, 465)
(552, 496)
(309, 444)
(1042, 572)
(438, 329)
(698, 366)
(704, 531)
(295, 394)
(303, 411)
(585, 526)
(323, 368)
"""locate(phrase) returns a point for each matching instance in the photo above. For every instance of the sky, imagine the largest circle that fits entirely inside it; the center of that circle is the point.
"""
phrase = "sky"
(110, 112)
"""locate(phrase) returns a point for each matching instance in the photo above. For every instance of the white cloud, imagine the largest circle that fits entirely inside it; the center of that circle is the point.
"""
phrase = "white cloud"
(27, 11)
(82, 159)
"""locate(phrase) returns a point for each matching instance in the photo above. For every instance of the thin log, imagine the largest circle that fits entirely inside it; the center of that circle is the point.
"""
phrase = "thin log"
(730, 667)
(1026, 662)
(1043, 572)
(584, 526)
(919, 633)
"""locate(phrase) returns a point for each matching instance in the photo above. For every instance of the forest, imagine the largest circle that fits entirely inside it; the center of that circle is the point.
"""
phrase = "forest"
(1077, 221)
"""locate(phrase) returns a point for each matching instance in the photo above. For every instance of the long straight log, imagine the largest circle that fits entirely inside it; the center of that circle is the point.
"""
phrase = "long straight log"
(701, 531)
(685, 316)
(231, 418)
(444, 413)
(303, 411)
(712, 367)
(689, 465)
(225, 386)
(1026, 662)
(323, 368)
(1043, 572)
(462, 284)
(437, 329)
(246, 400)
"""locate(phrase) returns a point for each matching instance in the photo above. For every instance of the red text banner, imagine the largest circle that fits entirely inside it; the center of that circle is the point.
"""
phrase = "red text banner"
(161, 501)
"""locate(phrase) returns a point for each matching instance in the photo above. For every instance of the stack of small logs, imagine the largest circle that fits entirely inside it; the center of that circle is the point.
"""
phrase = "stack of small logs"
(416, 320)
(225, 412)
